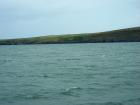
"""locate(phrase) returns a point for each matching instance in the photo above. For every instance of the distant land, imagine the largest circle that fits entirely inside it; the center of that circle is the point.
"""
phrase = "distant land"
(121, 35)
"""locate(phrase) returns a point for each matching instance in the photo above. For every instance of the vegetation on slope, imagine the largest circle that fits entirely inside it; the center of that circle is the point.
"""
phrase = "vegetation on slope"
(122, 35)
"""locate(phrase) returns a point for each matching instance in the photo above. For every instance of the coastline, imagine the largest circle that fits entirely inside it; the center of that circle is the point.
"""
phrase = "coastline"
(122, 35)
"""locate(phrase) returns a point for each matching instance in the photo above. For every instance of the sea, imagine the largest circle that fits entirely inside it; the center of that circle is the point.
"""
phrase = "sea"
(70, 74)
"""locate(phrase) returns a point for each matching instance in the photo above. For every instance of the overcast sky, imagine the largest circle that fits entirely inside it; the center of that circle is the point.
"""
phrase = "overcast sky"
(26, 18)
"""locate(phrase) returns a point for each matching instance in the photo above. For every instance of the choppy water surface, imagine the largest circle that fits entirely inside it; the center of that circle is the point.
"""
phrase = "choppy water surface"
(70, 74)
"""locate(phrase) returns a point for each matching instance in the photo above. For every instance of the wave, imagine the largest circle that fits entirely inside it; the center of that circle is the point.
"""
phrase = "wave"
(4, 61)
(30, 96)
(73, 59)
(71, 91)
(73, 88)
(135, 101)
(106, 103)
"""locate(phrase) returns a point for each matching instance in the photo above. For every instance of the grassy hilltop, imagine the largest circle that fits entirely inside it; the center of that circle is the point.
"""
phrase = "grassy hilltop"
(122, 35)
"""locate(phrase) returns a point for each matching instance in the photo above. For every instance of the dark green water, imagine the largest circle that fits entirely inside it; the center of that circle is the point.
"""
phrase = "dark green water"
(70, 74)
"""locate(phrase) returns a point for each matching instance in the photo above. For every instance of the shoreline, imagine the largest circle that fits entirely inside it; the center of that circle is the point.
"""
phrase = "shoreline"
(122, 35)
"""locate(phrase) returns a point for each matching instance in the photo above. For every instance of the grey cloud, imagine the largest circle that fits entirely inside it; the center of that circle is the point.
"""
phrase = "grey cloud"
(23, 18)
